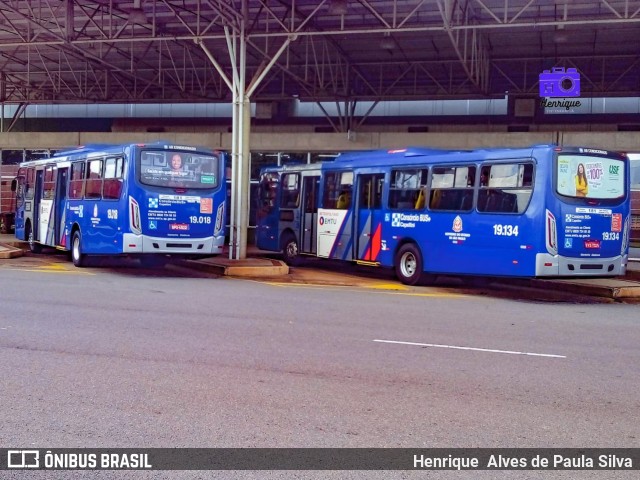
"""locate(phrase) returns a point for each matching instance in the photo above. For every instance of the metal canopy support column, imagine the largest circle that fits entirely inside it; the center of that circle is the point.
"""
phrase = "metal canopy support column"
(240, 147)
(241, 127)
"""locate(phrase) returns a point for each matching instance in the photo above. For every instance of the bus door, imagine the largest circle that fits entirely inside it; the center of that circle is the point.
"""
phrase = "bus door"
(20, 192)
(60, 201)
(335, 225)
(267, 214)
(310, 192)
(48, 206)
(369, 216)
(37, 199)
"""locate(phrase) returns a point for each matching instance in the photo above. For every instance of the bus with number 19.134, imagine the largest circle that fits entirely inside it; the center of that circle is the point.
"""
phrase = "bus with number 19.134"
(541, 211)
(143, 200)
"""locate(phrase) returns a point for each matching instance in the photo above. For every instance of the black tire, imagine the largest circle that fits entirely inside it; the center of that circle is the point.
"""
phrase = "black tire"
(33, 246)
(409, 264)
(290, 252)
(77, 257)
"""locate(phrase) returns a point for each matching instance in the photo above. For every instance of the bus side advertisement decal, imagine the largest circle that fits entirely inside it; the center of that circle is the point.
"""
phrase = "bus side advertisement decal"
(46, 209)
(330, 224)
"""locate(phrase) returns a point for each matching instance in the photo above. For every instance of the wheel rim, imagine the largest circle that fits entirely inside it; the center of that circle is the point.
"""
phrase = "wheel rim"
(292, 249)
(408, 264)
(76, 247)
(30, 239)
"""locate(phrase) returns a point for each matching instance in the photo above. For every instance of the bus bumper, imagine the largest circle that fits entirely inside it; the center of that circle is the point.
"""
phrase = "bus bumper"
(555, 265)
(180, 246)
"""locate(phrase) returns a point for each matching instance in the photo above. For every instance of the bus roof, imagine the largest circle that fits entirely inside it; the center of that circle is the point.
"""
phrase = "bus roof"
(91, 147)
(412, 155)
(95, 147)
(65, 154)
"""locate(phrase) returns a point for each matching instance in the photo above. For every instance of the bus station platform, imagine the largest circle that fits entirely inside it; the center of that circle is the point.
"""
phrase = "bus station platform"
(254, 265)
(9, 247)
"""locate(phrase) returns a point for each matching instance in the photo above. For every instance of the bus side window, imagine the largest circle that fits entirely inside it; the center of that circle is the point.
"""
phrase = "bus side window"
(346, 190)
(505, 188)
(49, 181)
(452, 188)
(76, 184)
(338, 187)
(408, 189)
(329, 196)
(94, 179)
(268, 191)
(290, 190)
(29, 186)
(112, 178)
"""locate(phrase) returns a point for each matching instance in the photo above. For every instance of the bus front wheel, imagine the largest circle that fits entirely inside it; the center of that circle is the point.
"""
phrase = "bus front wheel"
(290, 250)
(77, 257)
(409, 264)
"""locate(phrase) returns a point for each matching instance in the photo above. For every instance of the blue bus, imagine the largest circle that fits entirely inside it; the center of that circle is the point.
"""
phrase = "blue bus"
(541, 211)
(143, 200)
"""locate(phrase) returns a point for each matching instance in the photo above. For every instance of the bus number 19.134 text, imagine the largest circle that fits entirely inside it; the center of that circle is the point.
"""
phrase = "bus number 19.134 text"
(506, 230)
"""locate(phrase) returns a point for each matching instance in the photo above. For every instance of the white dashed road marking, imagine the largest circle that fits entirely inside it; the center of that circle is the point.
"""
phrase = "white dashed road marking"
(488, 350)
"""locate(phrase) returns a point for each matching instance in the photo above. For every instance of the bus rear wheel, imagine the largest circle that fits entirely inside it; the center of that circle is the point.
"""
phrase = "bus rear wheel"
(33, 246)
(290, 251)
(77, 257)
(409, 264)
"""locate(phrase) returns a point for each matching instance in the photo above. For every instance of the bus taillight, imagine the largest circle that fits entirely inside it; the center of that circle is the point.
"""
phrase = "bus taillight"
(625, 235)
(551, 234)
(134, 217)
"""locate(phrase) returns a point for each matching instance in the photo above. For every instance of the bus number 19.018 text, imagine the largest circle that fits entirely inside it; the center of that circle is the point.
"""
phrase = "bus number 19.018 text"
(200, 219)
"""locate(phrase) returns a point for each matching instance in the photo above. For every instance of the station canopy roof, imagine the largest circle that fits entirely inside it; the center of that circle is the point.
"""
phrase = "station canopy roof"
(66, 51)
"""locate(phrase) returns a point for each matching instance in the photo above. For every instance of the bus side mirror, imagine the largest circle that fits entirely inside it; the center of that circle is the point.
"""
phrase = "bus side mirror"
(17, 183)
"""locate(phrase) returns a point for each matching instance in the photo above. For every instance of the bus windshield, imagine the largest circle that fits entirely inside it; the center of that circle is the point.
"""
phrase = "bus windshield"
(167, 168)
(583, 176)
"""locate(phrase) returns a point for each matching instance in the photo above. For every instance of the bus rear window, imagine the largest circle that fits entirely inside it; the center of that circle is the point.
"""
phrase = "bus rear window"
(165, 168)
(584, 176)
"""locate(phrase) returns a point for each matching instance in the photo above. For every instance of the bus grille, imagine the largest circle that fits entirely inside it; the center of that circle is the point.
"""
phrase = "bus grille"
(590, 266)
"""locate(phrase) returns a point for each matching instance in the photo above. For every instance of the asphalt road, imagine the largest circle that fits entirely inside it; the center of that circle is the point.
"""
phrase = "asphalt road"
(125, 357)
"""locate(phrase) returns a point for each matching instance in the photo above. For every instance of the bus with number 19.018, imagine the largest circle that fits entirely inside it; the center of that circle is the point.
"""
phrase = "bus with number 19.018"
(541, 211)
(142, 200)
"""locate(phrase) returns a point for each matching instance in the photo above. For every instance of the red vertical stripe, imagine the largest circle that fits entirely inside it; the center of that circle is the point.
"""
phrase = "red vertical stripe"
(376, 243)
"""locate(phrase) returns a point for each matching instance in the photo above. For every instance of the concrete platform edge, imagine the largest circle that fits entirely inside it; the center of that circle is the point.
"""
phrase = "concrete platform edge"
(9, 251)
(249, 267)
